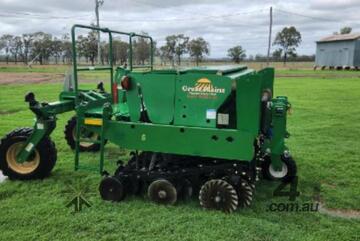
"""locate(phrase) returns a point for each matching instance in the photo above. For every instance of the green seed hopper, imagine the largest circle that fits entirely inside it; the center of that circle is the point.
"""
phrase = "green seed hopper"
(207, 131)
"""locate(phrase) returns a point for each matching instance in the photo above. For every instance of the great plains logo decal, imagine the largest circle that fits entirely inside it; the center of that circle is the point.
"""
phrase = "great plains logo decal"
(203, 89)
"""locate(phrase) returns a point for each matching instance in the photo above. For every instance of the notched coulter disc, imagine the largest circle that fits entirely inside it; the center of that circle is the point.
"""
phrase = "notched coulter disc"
(220, 195)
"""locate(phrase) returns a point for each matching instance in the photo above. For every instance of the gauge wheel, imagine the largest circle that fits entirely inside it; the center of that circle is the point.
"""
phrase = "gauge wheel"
(88, 136)
(287, 172)
(112, 189)
(39, 164)
(162, 191)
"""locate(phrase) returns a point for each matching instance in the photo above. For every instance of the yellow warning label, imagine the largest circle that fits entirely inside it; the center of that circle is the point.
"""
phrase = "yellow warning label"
(93, 122)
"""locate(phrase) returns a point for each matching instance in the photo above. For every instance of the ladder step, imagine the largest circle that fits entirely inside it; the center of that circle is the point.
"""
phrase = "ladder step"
(101, 142)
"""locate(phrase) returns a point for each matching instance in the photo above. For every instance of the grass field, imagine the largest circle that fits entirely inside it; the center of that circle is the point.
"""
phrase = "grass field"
(325, 130)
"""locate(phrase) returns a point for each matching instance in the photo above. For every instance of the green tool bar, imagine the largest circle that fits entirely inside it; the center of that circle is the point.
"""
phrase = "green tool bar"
(96, 94)
(87, 96)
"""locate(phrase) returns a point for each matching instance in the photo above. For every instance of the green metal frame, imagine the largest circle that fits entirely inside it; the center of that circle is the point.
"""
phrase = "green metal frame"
(110, 54)
(168, 104)
(81, 111)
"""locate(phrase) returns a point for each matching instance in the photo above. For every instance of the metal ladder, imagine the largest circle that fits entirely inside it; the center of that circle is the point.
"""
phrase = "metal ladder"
(91, 100)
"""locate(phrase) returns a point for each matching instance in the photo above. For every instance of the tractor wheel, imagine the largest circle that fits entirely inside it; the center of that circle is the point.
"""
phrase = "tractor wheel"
(40, 162)
(220, 195)
(287, 172)
(70, 136)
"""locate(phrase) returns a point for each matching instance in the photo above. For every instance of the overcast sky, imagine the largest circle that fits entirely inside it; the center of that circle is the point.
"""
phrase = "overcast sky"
(223, 23)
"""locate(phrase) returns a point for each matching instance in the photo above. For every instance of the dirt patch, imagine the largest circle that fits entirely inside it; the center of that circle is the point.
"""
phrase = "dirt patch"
(29, 78)
(334, 212)
(339, 213)
(7, 112)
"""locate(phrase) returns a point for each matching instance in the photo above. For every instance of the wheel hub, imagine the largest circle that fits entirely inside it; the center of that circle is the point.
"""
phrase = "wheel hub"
(217, 199)
(162, 194)
(23, 168)
(278, 174)
(111, 189)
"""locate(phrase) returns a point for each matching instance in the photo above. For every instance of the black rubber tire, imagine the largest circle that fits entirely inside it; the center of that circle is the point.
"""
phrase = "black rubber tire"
(46, 149)
(69, 137)
(291, 167)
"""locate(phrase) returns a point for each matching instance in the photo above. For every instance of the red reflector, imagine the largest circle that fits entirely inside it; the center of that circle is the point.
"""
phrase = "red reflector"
(125, 83)
(115, 93)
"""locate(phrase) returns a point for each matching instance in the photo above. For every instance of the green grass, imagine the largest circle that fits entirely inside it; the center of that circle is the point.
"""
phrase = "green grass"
(318, 73)
(20, 68)
(325, 142)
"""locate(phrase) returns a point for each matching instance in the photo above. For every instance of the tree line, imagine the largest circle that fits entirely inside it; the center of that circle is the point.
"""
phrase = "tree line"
(40, 47)
(37, 45)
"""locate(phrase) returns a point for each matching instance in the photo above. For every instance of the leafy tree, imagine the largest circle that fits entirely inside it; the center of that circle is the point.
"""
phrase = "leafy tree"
(16, 47)
(27, 40)
(104, 52)
(198, 48)
(91, 46)
(345, 30)
(288, 39)
(260, 58)
(176, 46)
(141, 49)
(6, 42)
(66, 48)
(277, 54)
(56, 49)
(236, 53)
(2, 44)
(120, 51)
(87, 46)
(80, 46)
(181, 43)
(169, 48)
(42, 47)
(165, 54)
